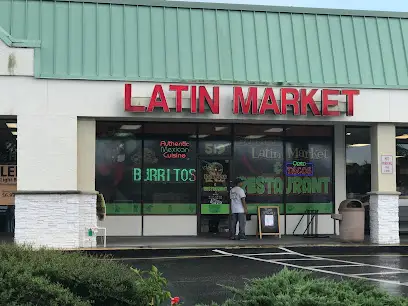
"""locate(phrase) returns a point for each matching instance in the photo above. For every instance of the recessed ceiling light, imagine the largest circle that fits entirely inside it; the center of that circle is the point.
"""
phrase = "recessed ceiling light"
(14, 133)
(199, 136)
(358, 145)
(348, 134)
(220, 128)
(405, 136)
(130, 127)
(274, 130)
(12, 125)
(123, 134)
(254, 136)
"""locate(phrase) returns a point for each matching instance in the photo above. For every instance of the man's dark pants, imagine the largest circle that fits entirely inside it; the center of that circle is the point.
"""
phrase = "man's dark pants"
(235, 218)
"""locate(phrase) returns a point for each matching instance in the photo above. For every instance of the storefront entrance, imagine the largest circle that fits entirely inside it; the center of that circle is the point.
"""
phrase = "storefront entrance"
(214, 185)
(161, 179)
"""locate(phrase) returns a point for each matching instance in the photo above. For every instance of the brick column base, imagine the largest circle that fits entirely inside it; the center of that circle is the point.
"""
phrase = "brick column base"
(384, 217)
(55, 219)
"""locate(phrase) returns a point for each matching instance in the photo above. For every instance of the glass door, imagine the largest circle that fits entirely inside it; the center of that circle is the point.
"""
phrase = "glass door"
(214, 186)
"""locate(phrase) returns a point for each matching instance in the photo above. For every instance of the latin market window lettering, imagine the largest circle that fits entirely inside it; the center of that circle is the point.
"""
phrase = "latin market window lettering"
(175, 149)
(165, 175)
(294, 185)
(299, 168)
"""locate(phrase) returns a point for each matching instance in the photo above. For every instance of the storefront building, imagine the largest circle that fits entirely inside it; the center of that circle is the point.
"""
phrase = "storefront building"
(160, 105)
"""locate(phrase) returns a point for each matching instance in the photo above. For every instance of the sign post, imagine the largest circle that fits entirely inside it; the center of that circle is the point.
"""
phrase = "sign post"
(268, 221)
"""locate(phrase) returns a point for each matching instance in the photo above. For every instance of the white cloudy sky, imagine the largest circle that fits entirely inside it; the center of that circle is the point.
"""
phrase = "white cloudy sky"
(380, 5)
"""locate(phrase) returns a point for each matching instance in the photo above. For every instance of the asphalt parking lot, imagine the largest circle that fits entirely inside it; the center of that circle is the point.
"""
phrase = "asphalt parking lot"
(199, 276)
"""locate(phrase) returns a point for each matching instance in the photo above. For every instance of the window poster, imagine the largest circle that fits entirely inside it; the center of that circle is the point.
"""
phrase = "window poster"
(214, 185)
(309, 176)
(8, 184)
(260, 163)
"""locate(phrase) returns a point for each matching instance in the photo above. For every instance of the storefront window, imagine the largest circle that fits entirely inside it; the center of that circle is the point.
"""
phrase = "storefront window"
(169, 169)
(8, 165)
(258, 158)
(402, 161)
(188, 168)
(358, 167)
(118, 152)
(309, 175)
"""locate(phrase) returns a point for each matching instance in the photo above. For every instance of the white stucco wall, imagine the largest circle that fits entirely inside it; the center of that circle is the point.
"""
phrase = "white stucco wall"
(21, 60)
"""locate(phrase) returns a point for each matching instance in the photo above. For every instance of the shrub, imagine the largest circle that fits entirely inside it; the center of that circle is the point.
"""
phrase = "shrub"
(298, 288)
(49, 277)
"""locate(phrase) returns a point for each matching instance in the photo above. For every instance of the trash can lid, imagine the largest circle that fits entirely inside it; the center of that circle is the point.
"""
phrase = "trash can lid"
(351, 204)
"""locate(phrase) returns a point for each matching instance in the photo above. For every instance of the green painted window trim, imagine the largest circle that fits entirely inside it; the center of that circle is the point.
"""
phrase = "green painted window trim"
(113, 209)
(169, 208)
(215, 209)
(253, 207)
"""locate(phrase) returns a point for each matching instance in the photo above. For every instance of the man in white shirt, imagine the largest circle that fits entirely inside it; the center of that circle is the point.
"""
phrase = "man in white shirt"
(238, 210)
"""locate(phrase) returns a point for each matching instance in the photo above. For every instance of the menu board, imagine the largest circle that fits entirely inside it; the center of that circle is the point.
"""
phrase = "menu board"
(268, 221)
(214, 182)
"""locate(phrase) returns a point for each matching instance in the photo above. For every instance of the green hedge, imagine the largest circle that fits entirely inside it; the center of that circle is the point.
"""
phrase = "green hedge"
(298, 288)
(47, 277)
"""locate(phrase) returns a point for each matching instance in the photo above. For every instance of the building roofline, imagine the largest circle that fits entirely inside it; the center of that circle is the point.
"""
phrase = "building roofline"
(247, 7)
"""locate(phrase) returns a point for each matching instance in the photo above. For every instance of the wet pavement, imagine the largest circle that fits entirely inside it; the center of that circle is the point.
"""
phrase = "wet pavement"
(199, 276)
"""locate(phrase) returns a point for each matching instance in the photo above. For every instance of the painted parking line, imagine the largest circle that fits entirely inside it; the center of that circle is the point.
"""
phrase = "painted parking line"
(340, 261)
(321, 270)
(381, 273)
(339, 266)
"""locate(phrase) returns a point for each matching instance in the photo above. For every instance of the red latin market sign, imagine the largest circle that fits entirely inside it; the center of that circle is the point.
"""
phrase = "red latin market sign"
(297, 102)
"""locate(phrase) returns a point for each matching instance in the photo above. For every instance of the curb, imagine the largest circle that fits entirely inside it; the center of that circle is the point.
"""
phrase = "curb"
(207, 251)
(248, 246)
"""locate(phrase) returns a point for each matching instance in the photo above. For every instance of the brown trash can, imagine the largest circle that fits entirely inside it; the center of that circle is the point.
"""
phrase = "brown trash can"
(351, 220)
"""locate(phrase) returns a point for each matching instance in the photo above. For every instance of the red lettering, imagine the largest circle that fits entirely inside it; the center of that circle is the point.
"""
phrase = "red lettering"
(179, 96)
(265, 105)
(158, 99)
(193, 100)
(349, 93)
(326, 102)
(290, 102)
(250, 103)
(213, 103)
(128, 101)
(306, 99)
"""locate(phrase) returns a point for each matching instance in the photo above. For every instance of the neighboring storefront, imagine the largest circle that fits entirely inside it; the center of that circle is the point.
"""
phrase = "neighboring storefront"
(160, 106)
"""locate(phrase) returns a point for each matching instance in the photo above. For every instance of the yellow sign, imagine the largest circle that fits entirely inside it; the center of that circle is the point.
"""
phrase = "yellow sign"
(8, 184)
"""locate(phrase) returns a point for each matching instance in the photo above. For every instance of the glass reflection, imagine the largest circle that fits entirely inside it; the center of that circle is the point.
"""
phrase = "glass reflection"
(358, 162)
(402, 160)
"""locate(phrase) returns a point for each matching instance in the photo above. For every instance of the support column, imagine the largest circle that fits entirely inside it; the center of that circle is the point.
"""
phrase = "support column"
(49, 208)
(340, 193)
(86, 154)
(384, 210)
